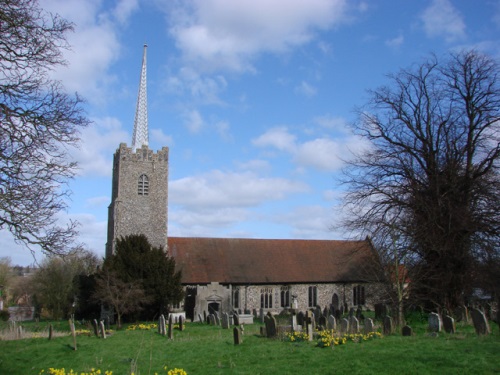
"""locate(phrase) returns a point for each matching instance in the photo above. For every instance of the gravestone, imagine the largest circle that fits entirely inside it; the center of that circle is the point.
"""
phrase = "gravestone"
(309, 324)
(313, 320)
(73, 332)
(359, 312)
(237, 336)
(200, 318)
(322, 322)
(380, 310)
(351, 312)
(262, 315)
(344, 326)
(217, 320)
(211, 319)
(181, 323)
(300, 318)
(270, 322)
(51, 331)
(162, 330)
(102, 329)
(354, 324)
(170, 328)
(225, 321)
(294, 324)
(369, 325)
(95, 326)
(325, 311)
(461, 314)
(435, 322)
(332, 323)
(236, 319)
(449, 324)
(205, 317)
(407, 331)
(387, 325)
(317, 313)
(338, 314)
(480, 322)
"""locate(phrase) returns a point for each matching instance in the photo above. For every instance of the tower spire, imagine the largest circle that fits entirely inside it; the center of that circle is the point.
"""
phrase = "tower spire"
(141, 135)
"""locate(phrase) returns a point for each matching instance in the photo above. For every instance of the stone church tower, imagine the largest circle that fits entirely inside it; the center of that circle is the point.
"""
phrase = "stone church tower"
(140, 183)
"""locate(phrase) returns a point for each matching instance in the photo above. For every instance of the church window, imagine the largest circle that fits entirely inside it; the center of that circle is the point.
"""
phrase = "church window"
(313, 296)
(143, 185)
(236, 298)
(266, 298)
(358, 295)
(285, 296)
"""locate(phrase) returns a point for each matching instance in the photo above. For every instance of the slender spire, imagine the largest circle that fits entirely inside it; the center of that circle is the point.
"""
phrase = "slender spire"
(141, 135)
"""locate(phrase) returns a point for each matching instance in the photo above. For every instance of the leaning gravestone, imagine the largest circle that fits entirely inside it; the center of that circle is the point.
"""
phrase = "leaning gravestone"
(103, 330)
(435, 323)
(95, 326)
(368, 325)
(270, 322)
(387, 325)
(449, 324)
(407, 331)
(344, 326)
(480, 322)
(237, 336)
(332, 323)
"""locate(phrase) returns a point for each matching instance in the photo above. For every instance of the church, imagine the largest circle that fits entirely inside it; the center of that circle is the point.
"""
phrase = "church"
(226, 274)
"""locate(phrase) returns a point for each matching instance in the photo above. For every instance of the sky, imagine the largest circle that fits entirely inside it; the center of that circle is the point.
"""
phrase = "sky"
(253, 98)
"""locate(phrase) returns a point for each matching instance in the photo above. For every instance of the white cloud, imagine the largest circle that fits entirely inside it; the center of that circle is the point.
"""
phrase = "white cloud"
(305, 89)
(395, 42)
(98, 143)
(157, 137)
(442, 19)
(193, 121)
(309, 222)
(124, 9)
(229, 189)
(224, 130)
(229, 34)
(278, 138)
(322, 154)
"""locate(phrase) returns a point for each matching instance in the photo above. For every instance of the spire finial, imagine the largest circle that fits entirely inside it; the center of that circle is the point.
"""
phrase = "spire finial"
(141, 135)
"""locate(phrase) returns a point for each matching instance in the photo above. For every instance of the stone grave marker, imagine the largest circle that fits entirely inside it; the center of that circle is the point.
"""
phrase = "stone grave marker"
(181, 323)
(200, 318)
(95, 326)
(162, 329)
(262, 315)
(294, 325)
(354, 324)
(205, 317)
(309, 324)
(332, 323)
(270, 322)
(322, 322)
(344, 326)
(435, 323)
(351, 311)
(300, 318)
(102, 329)
(449, 324)
(407, 331)
(236, 319)
(73, 332)
(51, 331)
(369, 327)
(480, 322)
(237, 336)
(387, 325)
(317, 313)
(217, 320)
(170, 328)
(211, 319)
(359, 312)
(225, 320)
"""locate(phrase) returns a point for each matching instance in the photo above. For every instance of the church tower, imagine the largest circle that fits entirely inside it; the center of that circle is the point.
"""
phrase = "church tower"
(139, 193)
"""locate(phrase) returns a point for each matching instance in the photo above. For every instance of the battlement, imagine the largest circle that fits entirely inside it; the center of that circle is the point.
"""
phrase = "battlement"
(141, 154)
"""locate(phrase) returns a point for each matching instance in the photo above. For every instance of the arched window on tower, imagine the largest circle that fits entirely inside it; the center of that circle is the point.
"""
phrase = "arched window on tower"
(143, 185)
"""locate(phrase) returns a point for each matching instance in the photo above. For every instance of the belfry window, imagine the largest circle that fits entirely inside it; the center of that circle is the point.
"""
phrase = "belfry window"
(143, 185)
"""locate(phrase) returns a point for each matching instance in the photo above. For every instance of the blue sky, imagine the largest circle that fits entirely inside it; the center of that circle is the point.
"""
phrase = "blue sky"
(253, 98)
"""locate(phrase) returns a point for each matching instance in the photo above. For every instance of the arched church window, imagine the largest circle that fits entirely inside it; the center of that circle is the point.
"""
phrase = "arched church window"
(236, 298)
(266, 298)
(143, 185)
(285, 296)
(312, 296)
(358, 295)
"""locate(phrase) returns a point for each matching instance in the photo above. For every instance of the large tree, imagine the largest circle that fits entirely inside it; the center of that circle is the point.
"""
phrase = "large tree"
(135, 259)
(430, 177)
(38, 120)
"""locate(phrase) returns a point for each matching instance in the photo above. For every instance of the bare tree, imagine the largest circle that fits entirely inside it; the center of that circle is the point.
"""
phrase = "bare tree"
(431, 173)
(124, 297)
(37, 121)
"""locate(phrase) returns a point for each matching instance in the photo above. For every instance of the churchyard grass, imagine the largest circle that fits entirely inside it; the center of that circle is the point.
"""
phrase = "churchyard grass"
(204, 349)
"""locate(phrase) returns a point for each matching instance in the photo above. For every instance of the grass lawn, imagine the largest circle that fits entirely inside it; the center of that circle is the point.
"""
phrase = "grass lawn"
(204, 349)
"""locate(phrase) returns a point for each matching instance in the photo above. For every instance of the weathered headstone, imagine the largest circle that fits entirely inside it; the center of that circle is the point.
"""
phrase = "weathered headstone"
(162, 330)
(237, 336)
(211, 319)
(102, 329)
(387, 325)
(181, 323)
(293, 322)
(449, 324)
(369, 325)
(317, 314)
(300, 318)
(217, 320)
(354, 324)
(480, 322)
(435, 323)
(461, 314)
(359, 312)
(322, 322)
(407, 331)
(200, 318)
(170, 328)
(270, 322)
(309, 324)
(51, 331)
(332, 323)
(236, 319)
(73, 332)
(344, 326)
(225, 320)
(95, 326)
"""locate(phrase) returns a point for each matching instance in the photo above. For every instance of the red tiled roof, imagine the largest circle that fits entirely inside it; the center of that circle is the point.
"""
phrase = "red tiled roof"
(261, 261)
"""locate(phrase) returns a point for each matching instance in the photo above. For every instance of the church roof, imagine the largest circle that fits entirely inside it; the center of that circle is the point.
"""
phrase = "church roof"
(265, 261)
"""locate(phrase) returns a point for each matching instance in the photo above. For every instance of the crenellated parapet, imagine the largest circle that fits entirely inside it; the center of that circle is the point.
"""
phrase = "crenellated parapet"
(141, 154)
